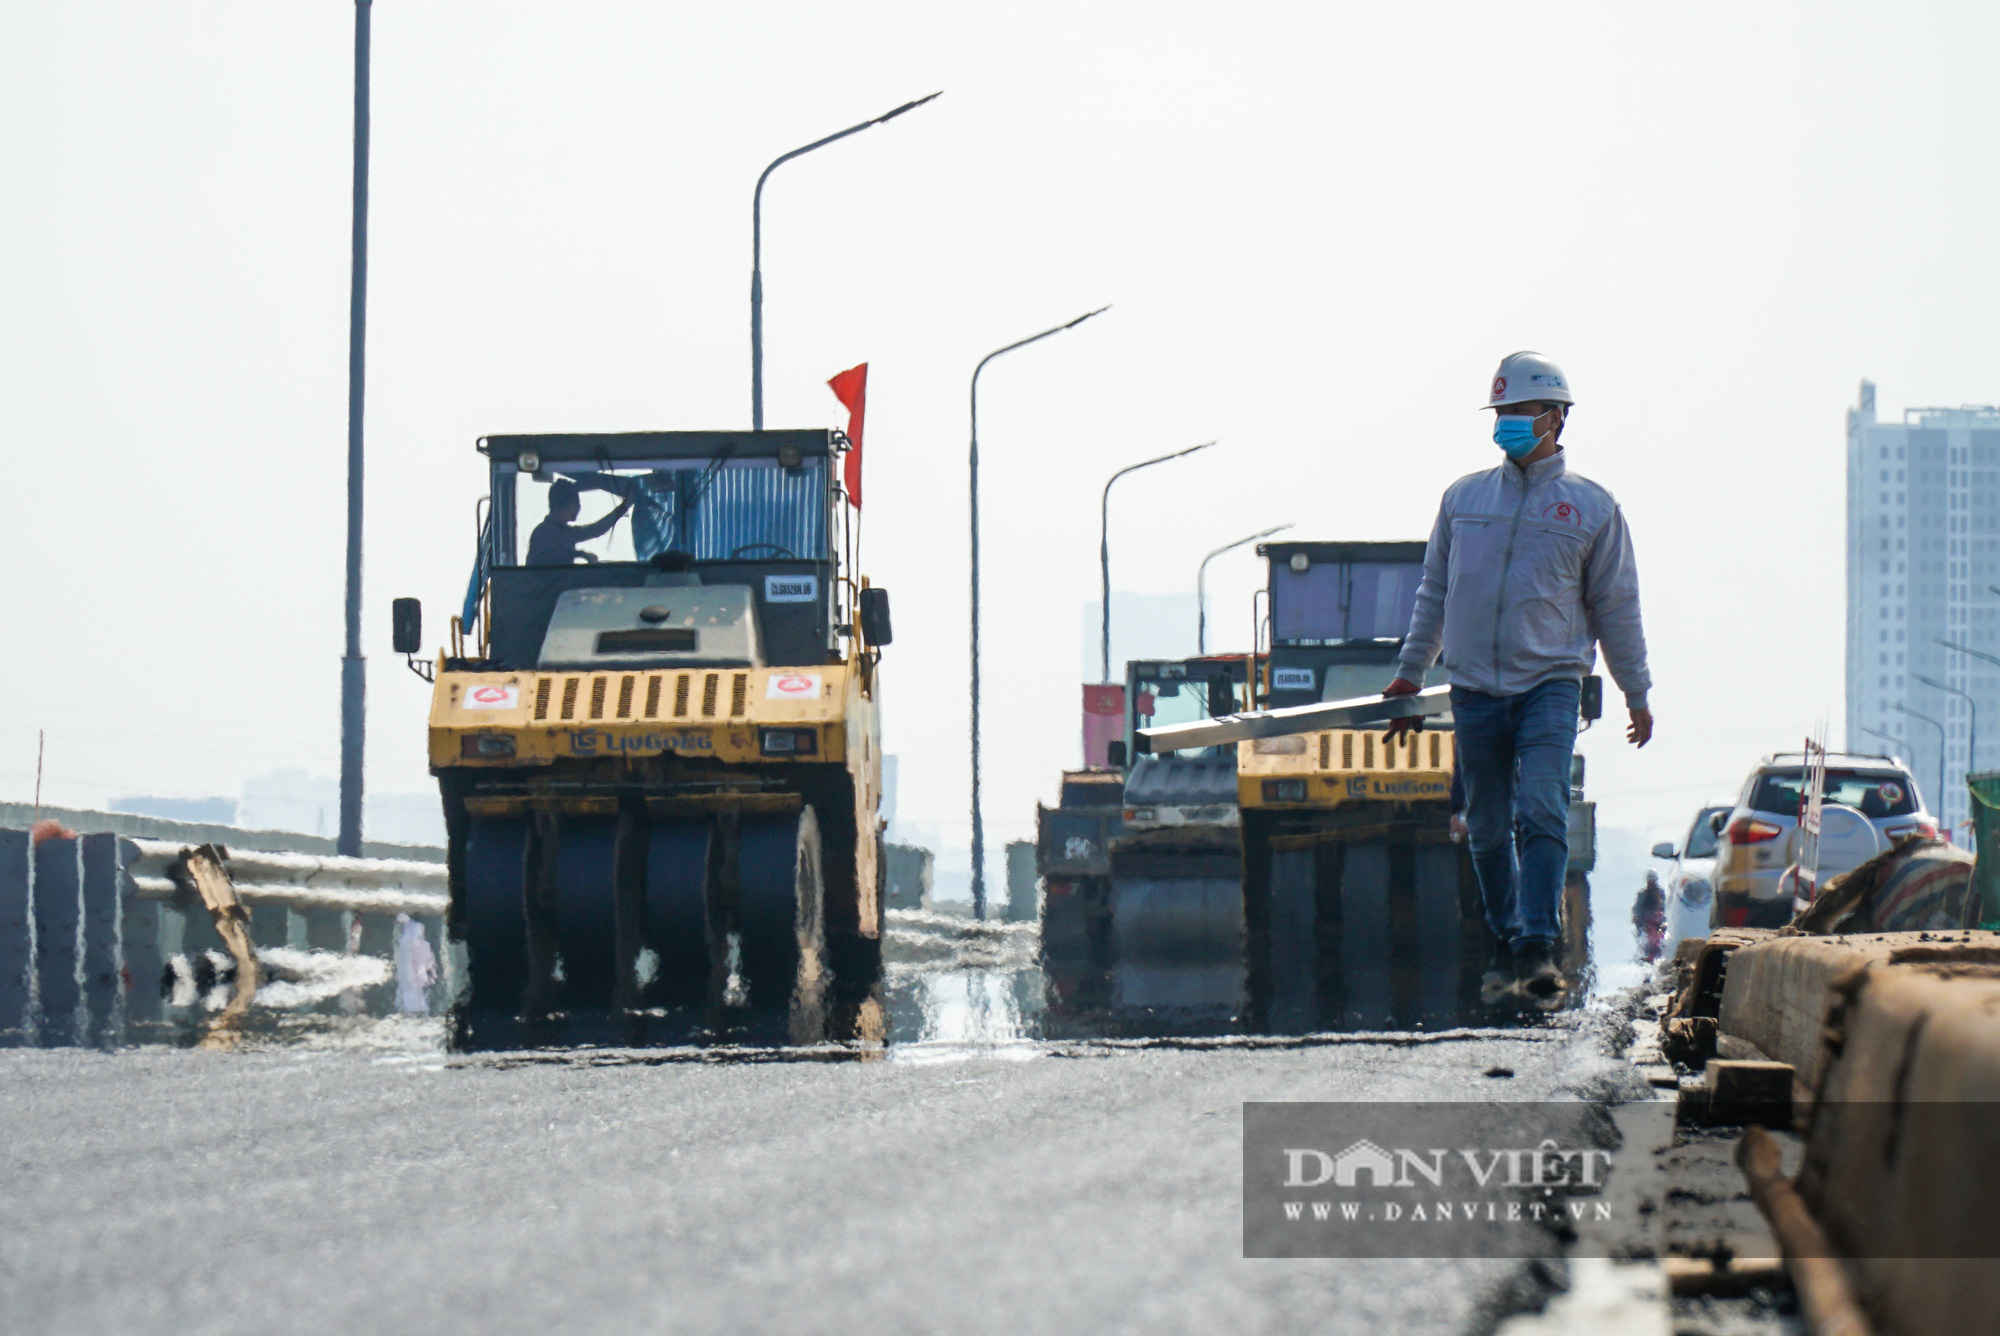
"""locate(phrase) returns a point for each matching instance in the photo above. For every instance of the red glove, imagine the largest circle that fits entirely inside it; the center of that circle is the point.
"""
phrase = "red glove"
(1402, 686)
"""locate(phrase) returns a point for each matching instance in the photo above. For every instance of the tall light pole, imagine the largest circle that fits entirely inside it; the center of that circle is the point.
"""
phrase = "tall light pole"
(1971, 755)
(1972, 718)
(1104, 540)
(979, 825)
(1899, 706)
(354, 668)
(1201, 583)
(757, 252)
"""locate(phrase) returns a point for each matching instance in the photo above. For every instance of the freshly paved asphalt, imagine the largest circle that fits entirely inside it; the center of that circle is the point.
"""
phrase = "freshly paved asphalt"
(1033, 1187)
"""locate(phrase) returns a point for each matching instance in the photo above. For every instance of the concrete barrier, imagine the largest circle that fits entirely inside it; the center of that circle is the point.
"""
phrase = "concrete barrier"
(100, 944)
(1902, 1160)
(57, 890)
(1776, 992)
(17, 939)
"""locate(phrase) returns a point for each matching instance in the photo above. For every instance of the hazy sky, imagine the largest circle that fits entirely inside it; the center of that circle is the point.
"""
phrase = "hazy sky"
(1321, 225)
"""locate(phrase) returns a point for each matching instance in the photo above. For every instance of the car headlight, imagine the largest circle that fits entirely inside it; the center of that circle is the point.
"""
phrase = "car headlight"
(486, 746)
(1284, 790)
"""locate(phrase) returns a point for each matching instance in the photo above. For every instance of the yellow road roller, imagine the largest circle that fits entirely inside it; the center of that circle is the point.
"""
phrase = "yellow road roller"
(656, 732)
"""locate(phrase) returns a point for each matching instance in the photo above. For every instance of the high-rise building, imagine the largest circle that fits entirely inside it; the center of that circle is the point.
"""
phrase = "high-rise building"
(1923, 574)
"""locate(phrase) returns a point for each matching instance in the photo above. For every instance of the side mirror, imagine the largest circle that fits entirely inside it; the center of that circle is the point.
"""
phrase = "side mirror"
(1590, 705)
(1664, 850)
(1114, 752)
(875, 616)
(407, 626)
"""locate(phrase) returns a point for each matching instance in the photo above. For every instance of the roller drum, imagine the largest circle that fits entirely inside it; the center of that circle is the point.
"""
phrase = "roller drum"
(677, 929)
(586, 911)
(496, 915)
(781, 913)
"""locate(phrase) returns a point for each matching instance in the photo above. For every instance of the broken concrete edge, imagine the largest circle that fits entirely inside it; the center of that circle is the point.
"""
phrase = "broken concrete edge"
(1776, 993)
(1895, 1042)
(1904, 1150)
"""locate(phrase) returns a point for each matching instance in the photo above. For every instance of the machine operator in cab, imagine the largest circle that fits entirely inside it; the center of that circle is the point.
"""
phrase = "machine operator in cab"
(1529, 570)
(554, 541)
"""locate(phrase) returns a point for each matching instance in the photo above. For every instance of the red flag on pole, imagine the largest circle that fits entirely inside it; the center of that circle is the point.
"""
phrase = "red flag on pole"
(851, 388)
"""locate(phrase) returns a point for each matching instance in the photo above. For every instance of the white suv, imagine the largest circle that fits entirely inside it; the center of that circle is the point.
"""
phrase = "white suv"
(1759, 835)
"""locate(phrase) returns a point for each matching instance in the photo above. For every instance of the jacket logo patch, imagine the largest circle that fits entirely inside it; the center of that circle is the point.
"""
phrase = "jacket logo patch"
(1562, 512)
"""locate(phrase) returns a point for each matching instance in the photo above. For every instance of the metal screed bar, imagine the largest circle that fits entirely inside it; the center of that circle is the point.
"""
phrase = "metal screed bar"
(1357, 712)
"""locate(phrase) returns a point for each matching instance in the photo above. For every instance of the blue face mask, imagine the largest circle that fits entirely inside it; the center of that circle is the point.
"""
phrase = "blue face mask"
(1515, 434)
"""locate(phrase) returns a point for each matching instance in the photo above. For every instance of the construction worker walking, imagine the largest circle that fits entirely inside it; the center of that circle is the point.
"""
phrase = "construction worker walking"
(1529, 569)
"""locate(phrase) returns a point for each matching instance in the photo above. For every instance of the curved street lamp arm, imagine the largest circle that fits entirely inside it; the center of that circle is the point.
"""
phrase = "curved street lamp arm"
(1977, 654)
(1032, 338)
(1940, 686)
(757, 251)
(1104, 540)
(782, 159)
(1201, 583)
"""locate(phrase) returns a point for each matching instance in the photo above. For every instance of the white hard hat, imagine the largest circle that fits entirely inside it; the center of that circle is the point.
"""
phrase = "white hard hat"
(1528, 378)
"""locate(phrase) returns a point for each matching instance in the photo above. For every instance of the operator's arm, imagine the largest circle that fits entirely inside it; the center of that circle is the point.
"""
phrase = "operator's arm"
(1611, 603)
(583, 533)
(1426, 634)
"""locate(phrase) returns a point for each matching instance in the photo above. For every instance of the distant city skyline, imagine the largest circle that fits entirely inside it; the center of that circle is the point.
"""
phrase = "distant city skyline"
(1923, 557)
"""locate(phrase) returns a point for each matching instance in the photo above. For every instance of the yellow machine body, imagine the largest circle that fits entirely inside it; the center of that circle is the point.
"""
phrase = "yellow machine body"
(555, 730)
(1336, 767)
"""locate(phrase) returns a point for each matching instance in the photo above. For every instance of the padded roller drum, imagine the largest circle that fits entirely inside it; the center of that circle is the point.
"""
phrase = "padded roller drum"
(1178, 944)
(677, 912)
(496, 914)
(781, 918)
(586, 911)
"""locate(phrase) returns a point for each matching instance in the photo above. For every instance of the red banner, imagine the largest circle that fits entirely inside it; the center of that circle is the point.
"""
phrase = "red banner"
(851, 388)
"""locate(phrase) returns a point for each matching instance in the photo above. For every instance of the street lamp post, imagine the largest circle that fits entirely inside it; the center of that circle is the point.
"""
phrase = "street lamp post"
(1201, 583)
(978, 825)
(757, 253)
(1972, 718)
(1971, 755)
(1104, 540)
(1899, 706)
(354, 668)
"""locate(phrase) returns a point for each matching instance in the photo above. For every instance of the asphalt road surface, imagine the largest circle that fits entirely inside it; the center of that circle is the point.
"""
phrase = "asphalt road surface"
(1023, 1187)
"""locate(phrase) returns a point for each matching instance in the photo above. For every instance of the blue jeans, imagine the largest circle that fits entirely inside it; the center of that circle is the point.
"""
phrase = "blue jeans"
(1513, 755)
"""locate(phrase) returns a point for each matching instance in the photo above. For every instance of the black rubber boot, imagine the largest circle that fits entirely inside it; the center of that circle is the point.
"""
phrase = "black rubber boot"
(1535, 968)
